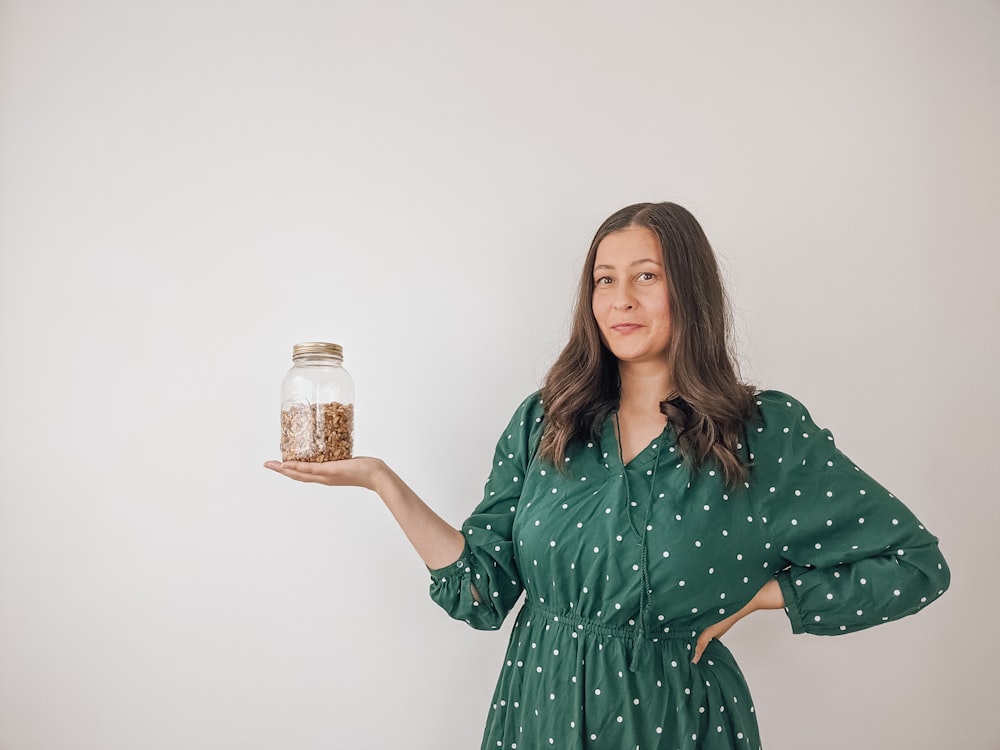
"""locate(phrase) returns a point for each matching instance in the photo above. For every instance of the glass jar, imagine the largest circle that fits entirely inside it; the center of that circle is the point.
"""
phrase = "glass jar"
(317, 405)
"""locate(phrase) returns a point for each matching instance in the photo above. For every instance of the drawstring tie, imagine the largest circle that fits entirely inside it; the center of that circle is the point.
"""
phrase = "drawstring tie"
(640, 642)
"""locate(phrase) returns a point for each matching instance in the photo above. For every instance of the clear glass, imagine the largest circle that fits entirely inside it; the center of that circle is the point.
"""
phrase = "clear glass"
(317, 407)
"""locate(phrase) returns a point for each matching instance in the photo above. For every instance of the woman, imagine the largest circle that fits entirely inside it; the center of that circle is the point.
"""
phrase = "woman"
(645, 501)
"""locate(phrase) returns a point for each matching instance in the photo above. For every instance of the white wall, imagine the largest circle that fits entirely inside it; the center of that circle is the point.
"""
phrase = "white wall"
(188, 188)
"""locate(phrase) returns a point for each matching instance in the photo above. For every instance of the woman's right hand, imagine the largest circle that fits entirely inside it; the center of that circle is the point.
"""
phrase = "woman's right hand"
(362, 471)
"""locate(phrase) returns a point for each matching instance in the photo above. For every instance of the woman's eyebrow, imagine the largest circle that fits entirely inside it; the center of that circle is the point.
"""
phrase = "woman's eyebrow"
(633, 263)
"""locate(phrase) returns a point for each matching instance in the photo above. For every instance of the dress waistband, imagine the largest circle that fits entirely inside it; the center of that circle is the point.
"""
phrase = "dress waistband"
(584, 625)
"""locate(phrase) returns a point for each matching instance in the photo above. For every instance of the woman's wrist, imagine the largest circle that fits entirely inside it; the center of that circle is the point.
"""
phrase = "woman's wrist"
(770, 596)
(382, 478)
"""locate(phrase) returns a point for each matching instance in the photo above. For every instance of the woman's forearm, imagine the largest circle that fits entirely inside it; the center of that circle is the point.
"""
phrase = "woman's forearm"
(436, 541)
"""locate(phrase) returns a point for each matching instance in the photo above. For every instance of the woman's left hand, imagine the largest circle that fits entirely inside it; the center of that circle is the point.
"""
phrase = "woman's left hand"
(769, 597)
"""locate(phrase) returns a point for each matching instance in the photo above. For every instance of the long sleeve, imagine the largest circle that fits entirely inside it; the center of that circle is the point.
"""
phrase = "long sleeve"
(488, 563)
(854, 555)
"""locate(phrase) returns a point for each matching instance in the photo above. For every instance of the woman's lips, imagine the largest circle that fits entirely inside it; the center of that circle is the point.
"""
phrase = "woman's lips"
(626, 327)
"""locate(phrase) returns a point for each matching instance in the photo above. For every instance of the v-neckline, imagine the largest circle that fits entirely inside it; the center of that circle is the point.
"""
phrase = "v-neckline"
(611, 444)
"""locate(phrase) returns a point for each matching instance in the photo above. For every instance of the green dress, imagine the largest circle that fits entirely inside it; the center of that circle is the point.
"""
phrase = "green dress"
(623, 566)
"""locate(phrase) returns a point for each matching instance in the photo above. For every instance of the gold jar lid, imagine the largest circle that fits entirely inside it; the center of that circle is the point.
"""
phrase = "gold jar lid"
(317, 348)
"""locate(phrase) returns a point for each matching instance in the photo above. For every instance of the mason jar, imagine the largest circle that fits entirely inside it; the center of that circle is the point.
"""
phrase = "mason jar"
(317, 405)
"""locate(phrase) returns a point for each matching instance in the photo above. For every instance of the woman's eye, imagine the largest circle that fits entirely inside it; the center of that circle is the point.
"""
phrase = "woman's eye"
(602, 281)
(646, 276)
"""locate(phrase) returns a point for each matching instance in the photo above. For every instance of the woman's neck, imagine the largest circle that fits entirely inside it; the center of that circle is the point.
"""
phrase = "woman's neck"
(643, 386)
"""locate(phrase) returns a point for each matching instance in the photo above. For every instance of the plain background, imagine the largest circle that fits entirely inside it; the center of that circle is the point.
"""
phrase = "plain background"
(188, 188)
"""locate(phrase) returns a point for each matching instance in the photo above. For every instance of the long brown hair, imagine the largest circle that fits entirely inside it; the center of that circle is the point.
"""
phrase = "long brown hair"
(710, 405)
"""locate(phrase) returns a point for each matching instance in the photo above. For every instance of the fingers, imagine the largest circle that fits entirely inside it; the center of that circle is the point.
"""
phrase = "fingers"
(302, 471)
(715, 631)
(701, 644)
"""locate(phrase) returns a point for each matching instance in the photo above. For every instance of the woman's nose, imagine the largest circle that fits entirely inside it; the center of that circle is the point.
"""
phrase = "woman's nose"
(623, 300)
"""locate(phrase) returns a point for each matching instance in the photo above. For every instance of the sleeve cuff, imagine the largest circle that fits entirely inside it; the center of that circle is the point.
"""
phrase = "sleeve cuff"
(791, 601)
(460, 566)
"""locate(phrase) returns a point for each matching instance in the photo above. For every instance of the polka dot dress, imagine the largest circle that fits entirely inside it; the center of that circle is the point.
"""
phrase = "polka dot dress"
(622, 566)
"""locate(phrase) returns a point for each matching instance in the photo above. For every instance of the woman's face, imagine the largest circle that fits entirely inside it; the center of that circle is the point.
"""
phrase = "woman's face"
(631, 303)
